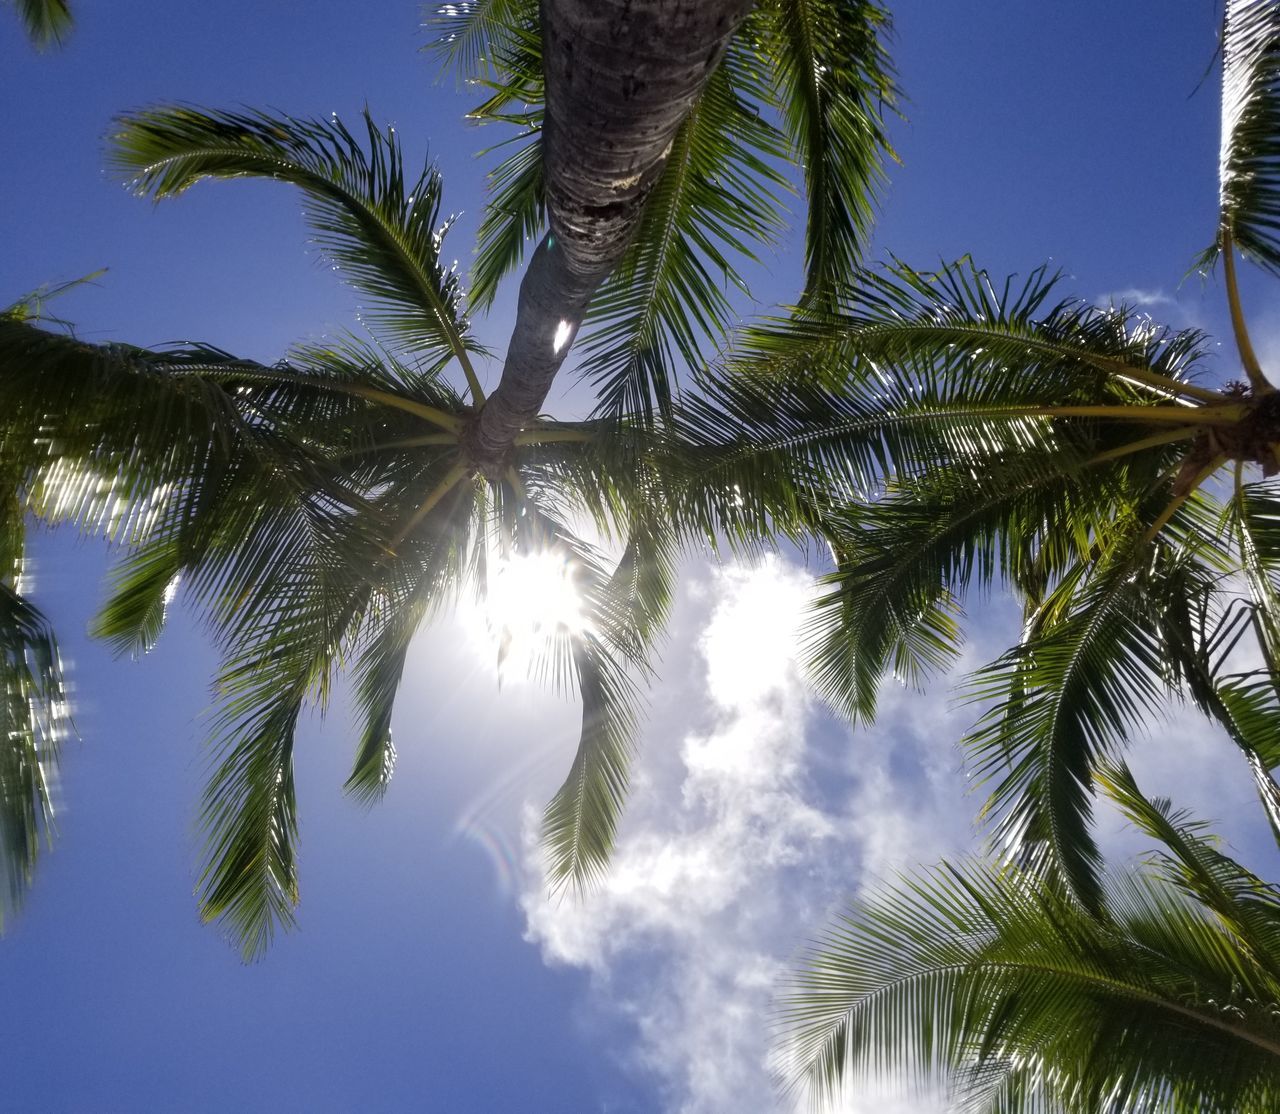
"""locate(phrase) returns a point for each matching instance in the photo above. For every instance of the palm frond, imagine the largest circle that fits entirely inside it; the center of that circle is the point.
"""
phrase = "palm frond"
(513, 218)
(580, 822)
(718, 201)
(471, 36)
(1253, 517)
(434, 570)
(1244, 905)
(134, 615)
(515, 214)
(33, 722)
(833, 85)
(47, 22)
(380, 229)
(1249, 162)
(967, 336)
(1066, 698)
(1025, 1001)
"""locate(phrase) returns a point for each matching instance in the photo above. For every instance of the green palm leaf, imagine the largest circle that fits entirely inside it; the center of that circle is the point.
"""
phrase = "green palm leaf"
(1066, 698)
(33, 721)
(1244, 905)
(1249, 163)
(381, 230)
(1026, 1002)
(957, 334)
(833, 85)
(580, 822)
(473, 35)
(47, 22)
(718, 199)
(515, 215)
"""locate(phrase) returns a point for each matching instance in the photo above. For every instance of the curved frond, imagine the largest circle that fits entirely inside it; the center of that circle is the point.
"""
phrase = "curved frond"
(470, 36)
(47, 22)
(380, 229)
(966, 336)
(1025, 1001)
(580, 822)
(717, 202)
(1244, 905)
(592, 657)
(1066, 698)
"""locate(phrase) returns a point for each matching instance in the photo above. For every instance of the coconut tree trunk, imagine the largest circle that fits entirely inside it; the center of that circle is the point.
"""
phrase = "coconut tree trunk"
(621, 75)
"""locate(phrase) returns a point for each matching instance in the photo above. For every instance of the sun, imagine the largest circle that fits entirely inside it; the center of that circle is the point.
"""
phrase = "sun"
(530, 598)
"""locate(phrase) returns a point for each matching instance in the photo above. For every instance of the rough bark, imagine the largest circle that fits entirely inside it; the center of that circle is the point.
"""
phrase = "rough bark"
(621, 75)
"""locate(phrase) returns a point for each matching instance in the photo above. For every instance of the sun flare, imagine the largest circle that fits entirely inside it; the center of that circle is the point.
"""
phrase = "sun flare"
(529, 598)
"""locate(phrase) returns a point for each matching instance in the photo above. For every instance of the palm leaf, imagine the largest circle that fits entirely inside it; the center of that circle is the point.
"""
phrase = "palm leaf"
(1249, 162)
(381, 230)
(1244, 905)
(473, 35)
(958, 334)
(515, 214)
(580, 822)
(47, 22)
(33, 721)
(833, 85)
(1066, 698)
(717, 199)
(1028, 1003)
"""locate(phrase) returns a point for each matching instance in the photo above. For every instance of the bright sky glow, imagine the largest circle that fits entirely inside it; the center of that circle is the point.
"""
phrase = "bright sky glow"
(531, 598)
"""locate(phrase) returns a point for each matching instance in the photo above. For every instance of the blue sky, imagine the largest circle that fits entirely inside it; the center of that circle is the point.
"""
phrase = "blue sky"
(429, 971)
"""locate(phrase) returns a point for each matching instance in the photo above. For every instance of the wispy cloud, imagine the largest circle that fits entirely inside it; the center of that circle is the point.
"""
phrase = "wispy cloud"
(754, 815)
(1137, 296)
(734, 849)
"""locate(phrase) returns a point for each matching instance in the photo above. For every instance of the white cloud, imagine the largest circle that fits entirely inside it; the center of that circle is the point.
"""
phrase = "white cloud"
(733, 850)
(753, 815)
(1136, 296)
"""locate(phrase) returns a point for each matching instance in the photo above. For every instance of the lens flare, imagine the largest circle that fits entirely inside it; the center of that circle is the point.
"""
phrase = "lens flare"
(529, 600)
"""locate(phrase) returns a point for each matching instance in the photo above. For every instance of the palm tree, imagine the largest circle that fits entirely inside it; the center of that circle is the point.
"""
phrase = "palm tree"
(1166, 997)
(318, 511)
(46, 22)
(1065, 450)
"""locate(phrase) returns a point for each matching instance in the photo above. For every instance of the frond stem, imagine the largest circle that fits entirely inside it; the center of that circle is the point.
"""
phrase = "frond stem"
(517, 485)
(1248, 358)
(439, 418)
(473, 380)
(1223, 414)
(1173, 387)
(1163, 519)
(405, 443)
(1164, 438)
(553, 436)
(456, 473)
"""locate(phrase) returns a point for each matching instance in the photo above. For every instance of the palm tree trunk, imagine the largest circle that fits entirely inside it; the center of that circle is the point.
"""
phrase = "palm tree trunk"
(621, 75)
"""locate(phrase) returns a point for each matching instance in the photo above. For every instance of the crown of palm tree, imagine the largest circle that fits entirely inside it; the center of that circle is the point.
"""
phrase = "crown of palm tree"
(1068, 451)
(316, 512)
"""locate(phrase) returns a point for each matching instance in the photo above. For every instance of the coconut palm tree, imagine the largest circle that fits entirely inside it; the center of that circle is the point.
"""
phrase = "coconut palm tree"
(1166, 997)
(316, 512)
(1066, 451)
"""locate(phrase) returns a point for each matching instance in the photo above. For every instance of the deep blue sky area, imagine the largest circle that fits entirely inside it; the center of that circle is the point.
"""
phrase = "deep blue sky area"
(1072, 134)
